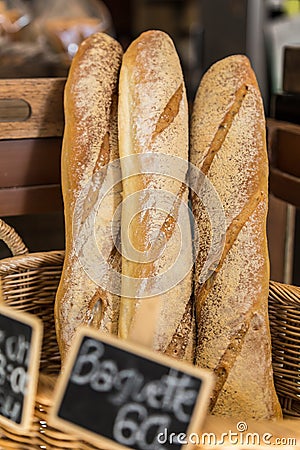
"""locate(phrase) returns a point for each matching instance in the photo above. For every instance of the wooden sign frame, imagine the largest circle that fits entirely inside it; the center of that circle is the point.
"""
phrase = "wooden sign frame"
(199, 410)
(33, 367)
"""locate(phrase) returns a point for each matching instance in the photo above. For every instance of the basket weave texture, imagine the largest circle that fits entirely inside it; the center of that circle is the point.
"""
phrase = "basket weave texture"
(28, 282)
(284, 313)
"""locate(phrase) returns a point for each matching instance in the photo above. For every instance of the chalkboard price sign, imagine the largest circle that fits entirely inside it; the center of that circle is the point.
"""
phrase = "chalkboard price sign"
(120, 394)
(20, 344)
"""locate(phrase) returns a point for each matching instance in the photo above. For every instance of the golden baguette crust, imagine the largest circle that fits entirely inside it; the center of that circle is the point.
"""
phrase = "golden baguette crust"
(153, 117)
(90, 142)
(228, 144)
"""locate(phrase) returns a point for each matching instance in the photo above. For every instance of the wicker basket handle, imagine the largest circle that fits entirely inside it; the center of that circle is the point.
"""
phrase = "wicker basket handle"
(11, 238)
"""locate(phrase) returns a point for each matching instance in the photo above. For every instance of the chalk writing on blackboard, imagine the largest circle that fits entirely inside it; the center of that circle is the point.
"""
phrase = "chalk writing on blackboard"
(128, 395)
(20, 342)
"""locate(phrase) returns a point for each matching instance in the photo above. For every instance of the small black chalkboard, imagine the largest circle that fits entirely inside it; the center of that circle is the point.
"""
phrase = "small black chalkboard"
(20, 344)
(120, 394)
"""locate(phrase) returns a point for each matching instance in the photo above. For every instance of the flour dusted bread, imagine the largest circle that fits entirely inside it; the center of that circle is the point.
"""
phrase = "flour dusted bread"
(228, 145)
(90, 142)
(153, 119)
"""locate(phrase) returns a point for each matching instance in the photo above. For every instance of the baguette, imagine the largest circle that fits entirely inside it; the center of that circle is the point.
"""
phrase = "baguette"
(90, 142)
(228, 144)
(153, 119)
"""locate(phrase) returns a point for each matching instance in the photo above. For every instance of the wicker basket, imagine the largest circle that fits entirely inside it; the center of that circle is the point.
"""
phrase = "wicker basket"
(29, 282)
(284, 312)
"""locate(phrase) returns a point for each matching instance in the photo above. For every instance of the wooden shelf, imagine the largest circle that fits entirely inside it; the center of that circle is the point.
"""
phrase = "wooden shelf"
(31, 128)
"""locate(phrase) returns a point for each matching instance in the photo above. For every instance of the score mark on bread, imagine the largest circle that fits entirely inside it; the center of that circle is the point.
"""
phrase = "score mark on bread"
(169, 113)
(224, 128)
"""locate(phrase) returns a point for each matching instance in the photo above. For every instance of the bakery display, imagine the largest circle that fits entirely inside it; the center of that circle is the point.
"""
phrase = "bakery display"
(153, 118)
(134, 107)
(63, 33)
(90, 142)
(228, 144)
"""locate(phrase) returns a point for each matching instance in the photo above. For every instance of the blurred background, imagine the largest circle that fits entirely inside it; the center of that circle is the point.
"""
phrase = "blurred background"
(39, 38)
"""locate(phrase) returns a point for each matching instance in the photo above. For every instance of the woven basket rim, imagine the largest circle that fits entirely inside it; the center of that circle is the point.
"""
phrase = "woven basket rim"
(284, 285)
(12, 239)
(30, 260)
(285, 292)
